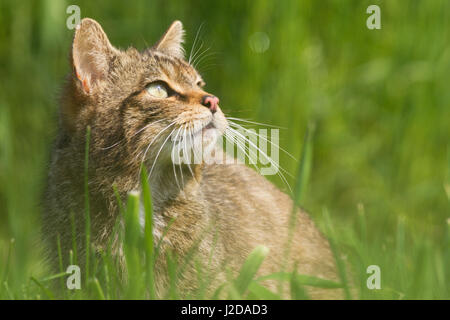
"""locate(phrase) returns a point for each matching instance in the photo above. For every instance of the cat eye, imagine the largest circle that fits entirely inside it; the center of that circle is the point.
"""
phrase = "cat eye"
(157, 90)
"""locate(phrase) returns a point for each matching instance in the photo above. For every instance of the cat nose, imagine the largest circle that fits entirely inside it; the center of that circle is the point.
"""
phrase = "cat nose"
(211, 102)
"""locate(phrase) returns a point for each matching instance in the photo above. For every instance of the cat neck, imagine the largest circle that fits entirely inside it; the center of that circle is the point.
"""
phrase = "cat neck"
(174, 182)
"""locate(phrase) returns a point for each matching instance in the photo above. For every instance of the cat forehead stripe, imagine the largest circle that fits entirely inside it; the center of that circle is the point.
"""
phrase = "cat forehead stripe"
(170, 67)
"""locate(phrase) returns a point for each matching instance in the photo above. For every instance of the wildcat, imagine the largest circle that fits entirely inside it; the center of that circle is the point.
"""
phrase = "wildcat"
(139, 106)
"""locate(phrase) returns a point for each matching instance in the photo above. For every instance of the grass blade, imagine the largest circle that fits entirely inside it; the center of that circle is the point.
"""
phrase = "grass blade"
(98, 289)
(257, 291)
(304, 167)
(296, 286)
(249, 268)
(47, 292)
(303, 280)
(172, 274)
(132, 244)
(148, 233)
(339, 262)
(86, 203)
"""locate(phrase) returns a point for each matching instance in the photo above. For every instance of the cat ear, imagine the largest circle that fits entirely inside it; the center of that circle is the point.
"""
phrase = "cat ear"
(91, 53)
(172, 40)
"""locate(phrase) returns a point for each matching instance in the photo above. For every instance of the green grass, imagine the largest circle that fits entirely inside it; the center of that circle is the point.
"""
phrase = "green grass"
(140, 256)
(376, 172)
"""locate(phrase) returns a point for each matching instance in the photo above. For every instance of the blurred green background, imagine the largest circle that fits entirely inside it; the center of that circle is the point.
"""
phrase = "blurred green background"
(378, 100)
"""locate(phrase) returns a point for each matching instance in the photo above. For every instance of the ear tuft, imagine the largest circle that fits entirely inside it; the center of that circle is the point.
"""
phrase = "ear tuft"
(172, 40)
(91, 53)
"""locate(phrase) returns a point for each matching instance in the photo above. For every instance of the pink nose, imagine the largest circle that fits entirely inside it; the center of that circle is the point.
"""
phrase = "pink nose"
(211, 102)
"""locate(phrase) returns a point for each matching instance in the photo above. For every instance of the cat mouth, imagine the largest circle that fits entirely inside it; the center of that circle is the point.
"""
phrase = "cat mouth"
(210, 125)
(200, 131)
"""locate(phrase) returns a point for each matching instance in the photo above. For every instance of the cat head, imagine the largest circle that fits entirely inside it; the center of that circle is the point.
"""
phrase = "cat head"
(144, 103)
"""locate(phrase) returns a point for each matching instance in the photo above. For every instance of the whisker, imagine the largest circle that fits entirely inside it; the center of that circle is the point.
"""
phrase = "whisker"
(192, 145)
(235, 139)
(281, 175)
(271, 161)
(199, 57)
(195, 42)
(196, 53)
(257, 123)
(259, 136)
(159, 151)
(181, 163)
(153, 140)
(173, 164)
(137, 132)
(208, 67)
